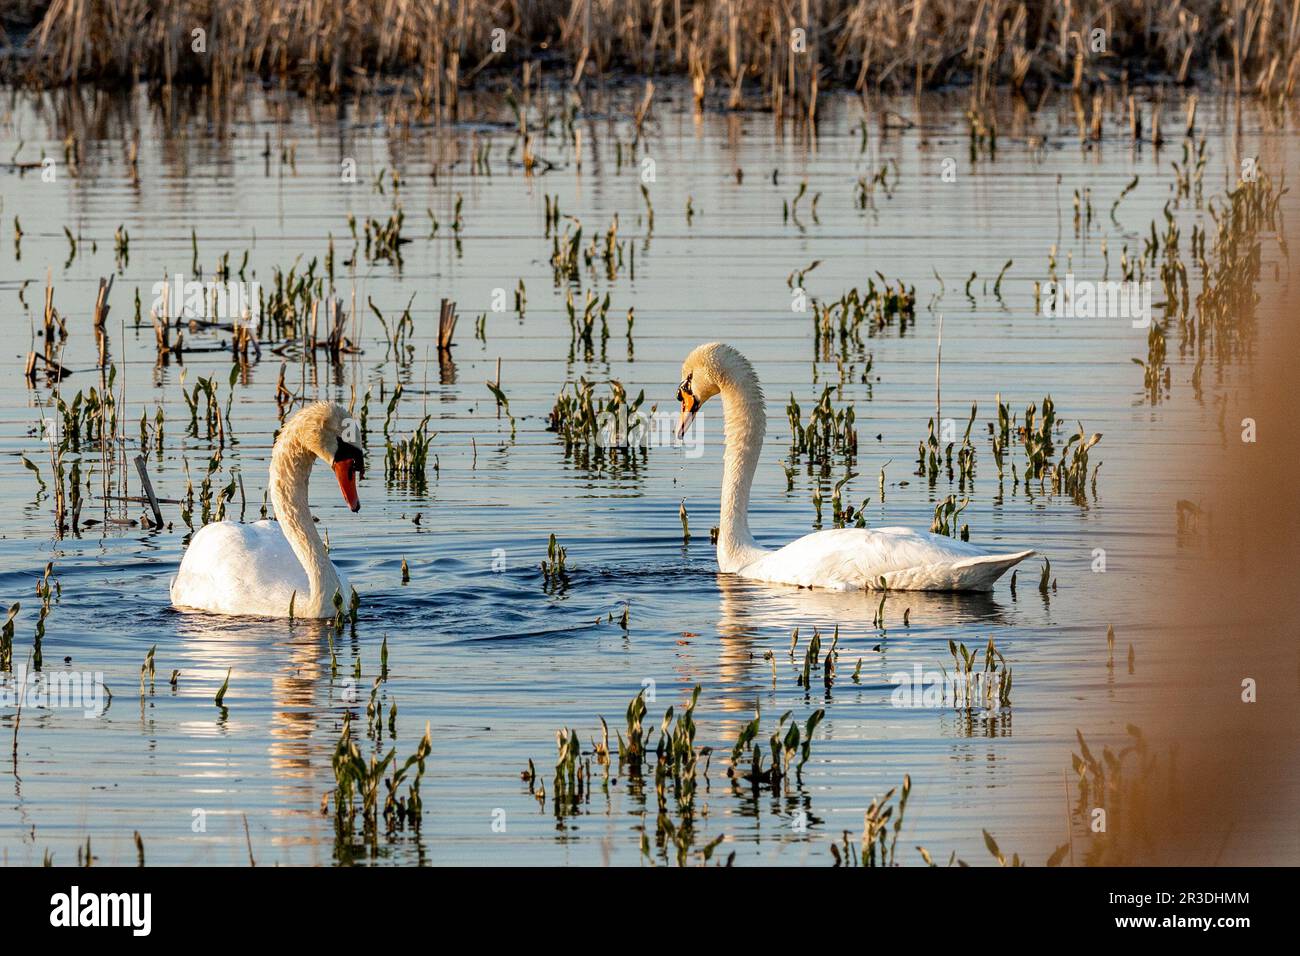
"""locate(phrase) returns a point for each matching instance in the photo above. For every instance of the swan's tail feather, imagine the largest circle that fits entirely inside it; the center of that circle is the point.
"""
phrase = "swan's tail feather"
(979, 574)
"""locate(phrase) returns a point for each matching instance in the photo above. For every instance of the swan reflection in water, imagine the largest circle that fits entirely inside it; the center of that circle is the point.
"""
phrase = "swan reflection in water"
(752, 614)
(294, 718)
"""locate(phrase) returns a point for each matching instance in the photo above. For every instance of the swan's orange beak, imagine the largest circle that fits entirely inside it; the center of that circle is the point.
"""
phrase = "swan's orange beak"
(348, 464)
(346, 472)
(690, 405)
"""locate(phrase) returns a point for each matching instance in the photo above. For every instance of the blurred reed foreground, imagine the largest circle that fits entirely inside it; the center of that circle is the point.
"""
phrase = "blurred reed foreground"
(744, 53)
(1228, 789)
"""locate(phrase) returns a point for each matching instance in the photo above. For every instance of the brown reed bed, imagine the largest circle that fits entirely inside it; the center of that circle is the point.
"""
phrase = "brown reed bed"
(771, 53)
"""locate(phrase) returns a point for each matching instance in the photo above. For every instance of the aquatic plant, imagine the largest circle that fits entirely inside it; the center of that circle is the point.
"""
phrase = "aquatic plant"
(988, 688)
(214, 420)
(384, 240)
(1070, 474)
(782, 749)
(677, 763)
(865, 188)
(842, 322)
(946, 514)
(828, 432)
(927, 454)
(358, 782)
(1036, 436)
(567, 254)
(572, 779)
(1131, 787)
(811, 660)
(843, 514)
(47, 588)
(7, 638)
(406, 462)
(997, 854)
(879, 843)
(503, 403)
(599, 431)
(555, 572)
(632, 748)
(966, 454)
(147, 669)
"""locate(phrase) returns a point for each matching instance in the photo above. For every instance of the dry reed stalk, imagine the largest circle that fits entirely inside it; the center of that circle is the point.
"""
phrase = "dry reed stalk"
(442, 45)
(52, 316)
(643, 110)
(101, 302)
(446, 325)
(162, 326)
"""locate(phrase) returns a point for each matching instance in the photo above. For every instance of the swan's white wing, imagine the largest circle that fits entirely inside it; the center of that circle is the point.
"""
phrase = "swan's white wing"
(851, 558)
(233, 568)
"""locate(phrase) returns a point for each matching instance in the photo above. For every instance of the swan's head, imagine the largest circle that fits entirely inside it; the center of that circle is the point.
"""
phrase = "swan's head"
(332, 435)
(705, 373)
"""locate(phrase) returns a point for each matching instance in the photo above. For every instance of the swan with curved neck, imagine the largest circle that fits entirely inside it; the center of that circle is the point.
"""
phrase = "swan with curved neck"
(257, 569)
(842, 558)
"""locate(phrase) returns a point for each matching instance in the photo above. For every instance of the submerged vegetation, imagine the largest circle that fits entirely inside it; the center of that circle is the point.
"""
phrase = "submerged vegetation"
(601, 431)
(358, 797)
(839, 324)
(828, 432)
(1119, 788)
(678, 771)
(406, 461)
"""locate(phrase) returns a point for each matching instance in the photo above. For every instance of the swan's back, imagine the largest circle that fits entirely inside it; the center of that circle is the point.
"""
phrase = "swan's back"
(232, 568)
(858, 558)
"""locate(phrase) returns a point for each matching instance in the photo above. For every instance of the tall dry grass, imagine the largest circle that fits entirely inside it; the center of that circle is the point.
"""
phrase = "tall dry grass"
(744, 50)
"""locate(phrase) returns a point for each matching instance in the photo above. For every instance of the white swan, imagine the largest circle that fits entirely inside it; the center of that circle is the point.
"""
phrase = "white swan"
(841, 559)
(256, 569)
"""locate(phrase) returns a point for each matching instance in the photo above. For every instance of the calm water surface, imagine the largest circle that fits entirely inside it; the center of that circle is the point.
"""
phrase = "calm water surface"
(478, 648)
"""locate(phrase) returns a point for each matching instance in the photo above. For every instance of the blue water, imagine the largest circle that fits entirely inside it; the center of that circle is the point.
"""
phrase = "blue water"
(479, 649)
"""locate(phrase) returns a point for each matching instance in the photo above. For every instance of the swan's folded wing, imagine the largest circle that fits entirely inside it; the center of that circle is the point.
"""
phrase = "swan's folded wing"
(233, 568)
(852, 558)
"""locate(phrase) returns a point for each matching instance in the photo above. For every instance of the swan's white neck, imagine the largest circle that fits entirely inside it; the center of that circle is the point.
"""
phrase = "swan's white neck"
(746, 423)
(291, 464)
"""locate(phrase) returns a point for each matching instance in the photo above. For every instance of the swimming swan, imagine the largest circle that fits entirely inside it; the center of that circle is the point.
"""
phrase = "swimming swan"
(233, 568)
(842, 558)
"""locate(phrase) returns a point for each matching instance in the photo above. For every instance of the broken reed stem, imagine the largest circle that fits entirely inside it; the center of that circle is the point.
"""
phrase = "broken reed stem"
(148, 490)
(101, 301)
(446, 325)
(99, 316)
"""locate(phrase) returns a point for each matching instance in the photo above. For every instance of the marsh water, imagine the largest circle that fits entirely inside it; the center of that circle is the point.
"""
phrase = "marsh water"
(479, 646)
